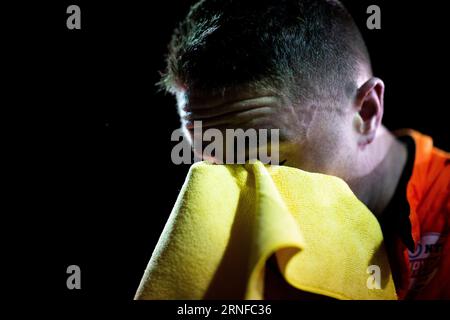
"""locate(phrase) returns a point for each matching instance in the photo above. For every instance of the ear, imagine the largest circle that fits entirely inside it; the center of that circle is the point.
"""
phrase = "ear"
(369, 107)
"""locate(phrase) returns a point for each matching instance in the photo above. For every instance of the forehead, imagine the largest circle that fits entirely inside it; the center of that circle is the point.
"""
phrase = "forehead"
(196, 100)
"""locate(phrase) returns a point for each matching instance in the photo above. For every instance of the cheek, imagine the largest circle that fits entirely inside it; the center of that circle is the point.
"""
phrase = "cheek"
(324, 145)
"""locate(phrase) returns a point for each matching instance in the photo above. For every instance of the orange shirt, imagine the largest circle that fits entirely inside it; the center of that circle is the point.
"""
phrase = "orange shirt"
(423, 271)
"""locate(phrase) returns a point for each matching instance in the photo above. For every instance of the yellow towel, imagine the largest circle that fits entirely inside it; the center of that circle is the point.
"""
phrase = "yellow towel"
(229, 219)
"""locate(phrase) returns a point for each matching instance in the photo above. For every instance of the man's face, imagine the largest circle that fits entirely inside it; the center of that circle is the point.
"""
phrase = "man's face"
(312, 136)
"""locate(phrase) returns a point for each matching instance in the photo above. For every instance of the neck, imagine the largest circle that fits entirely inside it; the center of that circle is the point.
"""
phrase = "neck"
(379, 167)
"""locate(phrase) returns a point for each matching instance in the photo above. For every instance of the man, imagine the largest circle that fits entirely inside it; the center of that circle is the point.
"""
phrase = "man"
(301, 66)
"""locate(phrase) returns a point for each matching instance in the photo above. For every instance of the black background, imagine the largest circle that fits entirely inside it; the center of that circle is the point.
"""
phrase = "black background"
(92, 140)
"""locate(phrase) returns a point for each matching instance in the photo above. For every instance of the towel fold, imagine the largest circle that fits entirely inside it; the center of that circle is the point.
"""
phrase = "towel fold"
(229, 219)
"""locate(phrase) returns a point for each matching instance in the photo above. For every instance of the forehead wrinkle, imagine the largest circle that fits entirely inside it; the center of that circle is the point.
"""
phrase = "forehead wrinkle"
(188, 102)
(263, 100)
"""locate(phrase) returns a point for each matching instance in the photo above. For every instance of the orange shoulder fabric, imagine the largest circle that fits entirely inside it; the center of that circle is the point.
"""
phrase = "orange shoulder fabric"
(428, 194)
